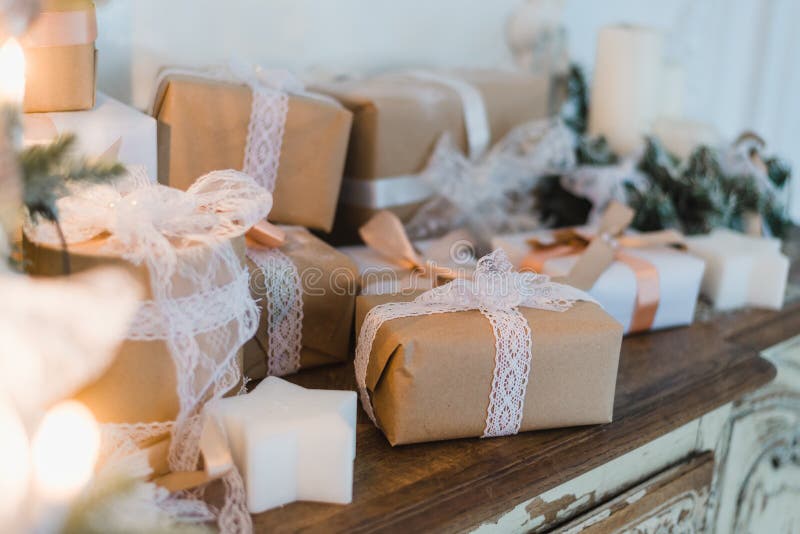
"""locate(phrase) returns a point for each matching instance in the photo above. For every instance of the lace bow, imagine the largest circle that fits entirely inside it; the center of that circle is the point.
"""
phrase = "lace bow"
(491, 195)
(497, 291)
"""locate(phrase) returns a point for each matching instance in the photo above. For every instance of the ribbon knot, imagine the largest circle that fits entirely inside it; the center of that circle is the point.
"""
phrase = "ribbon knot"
(601, 249)
(143, 218)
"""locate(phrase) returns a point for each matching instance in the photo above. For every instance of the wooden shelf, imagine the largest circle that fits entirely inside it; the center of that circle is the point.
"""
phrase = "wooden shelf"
(666, 379)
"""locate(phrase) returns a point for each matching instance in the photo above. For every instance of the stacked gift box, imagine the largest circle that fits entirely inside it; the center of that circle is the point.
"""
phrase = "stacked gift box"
(258, 176)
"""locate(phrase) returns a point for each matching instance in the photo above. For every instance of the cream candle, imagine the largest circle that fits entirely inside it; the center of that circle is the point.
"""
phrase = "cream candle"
(741, 270)
(625, 86)
(290, 443)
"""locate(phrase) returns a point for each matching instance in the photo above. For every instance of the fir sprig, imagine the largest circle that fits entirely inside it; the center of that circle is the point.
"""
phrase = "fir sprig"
(47, 172)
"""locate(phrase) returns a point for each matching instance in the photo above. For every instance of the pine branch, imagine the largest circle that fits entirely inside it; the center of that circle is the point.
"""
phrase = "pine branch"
(48, 171)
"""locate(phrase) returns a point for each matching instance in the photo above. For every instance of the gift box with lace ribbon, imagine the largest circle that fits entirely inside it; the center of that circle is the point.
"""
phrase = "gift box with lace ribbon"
(306, 290)
(183, 347)
(60, 57)
(491, 355)
(264, 122)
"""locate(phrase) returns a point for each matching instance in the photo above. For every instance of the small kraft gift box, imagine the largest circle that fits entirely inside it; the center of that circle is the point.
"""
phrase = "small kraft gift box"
(186, 249)
(60, 57)
(306, 290)
(255, 120)
(398, 120)
(493, 355)
(646, 281)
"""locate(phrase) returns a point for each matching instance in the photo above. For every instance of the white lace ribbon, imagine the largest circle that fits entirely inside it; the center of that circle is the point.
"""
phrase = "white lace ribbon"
(491, 194)
(497, 292)
(203, 326)
(282, 288)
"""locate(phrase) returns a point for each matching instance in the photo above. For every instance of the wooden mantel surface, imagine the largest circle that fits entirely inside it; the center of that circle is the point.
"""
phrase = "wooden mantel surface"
(666, 379)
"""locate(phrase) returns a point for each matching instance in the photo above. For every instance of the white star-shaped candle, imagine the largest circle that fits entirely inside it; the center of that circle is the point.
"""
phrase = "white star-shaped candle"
(290, 443)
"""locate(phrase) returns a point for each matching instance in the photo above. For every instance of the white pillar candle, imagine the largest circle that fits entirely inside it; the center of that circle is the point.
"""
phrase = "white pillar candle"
(741, 270)
(682, 136)
(625, 86)
(673, 89)
(290, 443)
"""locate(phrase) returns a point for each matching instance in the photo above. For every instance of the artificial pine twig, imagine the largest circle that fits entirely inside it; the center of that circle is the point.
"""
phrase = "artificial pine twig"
(48, 171)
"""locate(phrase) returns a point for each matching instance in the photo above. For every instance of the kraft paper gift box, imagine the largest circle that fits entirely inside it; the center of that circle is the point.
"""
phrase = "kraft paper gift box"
(669, 278)
(741, 270)
(429, 377)
(329, 280)
(60, 57)
(140, 385)
(397, 121)
(111, 130)
(203, 125)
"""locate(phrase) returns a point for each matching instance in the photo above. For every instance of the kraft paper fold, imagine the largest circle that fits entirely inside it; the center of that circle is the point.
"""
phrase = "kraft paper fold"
(398, 120)
(329, 287)
(60, 77)
(140, 385)
(203, 127)
(430, 377)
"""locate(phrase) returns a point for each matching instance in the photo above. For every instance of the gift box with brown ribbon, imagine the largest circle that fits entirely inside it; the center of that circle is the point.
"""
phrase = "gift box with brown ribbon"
(645, 281)
(398, 120)
(60, 57)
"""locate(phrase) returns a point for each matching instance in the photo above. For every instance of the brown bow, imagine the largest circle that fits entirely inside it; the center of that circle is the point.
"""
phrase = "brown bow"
(601, 249)
(385, 234)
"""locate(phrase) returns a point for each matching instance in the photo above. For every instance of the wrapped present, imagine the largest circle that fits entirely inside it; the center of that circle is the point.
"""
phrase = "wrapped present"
(741, 270)
(307, 290)
(645, 281)
(398, 120)
(183, 347)
(60, 57)
(291, 141)
(111, 130)
(424, 375)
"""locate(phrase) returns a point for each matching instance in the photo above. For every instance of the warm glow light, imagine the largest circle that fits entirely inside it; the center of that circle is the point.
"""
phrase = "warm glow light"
(65, 450)
(14, 463)
(12, 72)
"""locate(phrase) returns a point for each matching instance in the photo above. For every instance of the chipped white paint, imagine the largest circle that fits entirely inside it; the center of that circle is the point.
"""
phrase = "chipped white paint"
(745, 436)
(636, 496)
(608, 480)
(757, 477)
(602, 516)
(582, 503)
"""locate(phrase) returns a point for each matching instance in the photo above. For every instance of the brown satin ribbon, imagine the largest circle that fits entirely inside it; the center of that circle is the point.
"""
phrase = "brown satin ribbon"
(217, 460)
(384, 233)
(599, 250)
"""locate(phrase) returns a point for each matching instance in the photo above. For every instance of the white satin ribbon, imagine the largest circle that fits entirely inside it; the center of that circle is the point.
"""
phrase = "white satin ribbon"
(497, 292)
(391, 191)
(384, 193)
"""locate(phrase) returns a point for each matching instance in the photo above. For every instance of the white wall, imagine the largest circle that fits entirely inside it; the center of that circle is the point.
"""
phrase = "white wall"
(742, 56)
